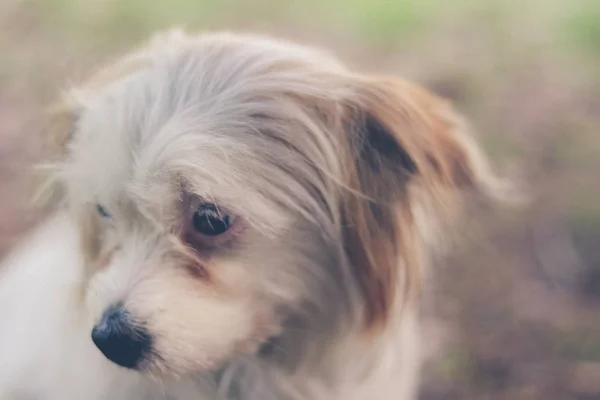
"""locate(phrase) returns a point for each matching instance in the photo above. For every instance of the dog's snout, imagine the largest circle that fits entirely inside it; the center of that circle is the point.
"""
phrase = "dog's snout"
(119, 339)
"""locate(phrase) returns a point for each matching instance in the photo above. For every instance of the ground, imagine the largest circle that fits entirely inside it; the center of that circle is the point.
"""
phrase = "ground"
(514, 309)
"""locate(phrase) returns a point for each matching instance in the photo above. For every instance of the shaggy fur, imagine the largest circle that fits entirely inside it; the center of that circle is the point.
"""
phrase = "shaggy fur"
(339, 183)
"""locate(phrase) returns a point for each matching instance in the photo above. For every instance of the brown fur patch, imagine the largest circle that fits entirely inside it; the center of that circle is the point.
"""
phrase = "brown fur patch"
(403, 141)
(90, 239)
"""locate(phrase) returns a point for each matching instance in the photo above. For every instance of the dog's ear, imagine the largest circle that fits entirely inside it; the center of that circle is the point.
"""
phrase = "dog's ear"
(409, 160)
(59, 123)
(57, 127)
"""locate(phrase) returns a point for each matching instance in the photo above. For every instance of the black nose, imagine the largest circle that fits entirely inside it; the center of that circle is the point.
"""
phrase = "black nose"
(119, 339)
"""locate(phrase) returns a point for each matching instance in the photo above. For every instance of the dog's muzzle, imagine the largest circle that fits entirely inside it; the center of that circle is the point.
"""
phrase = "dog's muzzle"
(120, 340)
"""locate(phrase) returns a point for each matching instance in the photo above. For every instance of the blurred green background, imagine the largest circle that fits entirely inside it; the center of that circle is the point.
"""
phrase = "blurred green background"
(515, 310)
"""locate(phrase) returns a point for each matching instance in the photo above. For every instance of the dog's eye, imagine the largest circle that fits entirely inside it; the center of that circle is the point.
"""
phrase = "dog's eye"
(209, 220)
(102, 211)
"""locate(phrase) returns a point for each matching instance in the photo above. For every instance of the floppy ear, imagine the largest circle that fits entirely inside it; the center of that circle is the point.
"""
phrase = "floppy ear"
(59, 123)
(409, 160)
(57, 128)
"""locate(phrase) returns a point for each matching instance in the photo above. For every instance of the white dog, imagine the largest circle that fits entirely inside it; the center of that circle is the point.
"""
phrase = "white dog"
(237, 218)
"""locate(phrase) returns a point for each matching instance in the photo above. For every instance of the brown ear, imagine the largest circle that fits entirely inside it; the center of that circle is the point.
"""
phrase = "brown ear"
(409, 158)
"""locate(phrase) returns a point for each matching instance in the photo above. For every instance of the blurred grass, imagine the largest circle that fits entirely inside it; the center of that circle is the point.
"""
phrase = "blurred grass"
(457, 365)
(378, 21)
(579, 345)
(582, 28)
(497, 37)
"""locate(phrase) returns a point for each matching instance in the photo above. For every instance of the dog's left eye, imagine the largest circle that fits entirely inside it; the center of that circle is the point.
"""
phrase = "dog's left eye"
(209, 220)
(102, 211)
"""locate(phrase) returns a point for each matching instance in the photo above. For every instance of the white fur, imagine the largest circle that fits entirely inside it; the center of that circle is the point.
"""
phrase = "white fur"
(47, 353)
(264, 129)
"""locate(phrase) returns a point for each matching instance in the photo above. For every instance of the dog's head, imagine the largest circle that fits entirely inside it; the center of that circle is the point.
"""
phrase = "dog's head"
(232, 190)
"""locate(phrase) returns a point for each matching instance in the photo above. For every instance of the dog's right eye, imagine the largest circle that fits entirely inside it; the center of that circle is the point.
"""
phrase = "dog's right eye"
(102, 211)
(211, 226)
(210, 221)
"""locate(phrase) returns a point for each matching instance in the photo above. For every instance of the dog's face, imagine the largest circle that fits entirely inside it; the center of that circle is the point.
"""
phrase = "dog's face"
(233, 190)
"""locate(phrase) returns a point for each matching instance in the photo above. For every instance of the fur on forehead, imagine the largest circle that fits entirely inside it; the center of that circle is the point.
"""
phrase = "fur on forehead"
(376, 162)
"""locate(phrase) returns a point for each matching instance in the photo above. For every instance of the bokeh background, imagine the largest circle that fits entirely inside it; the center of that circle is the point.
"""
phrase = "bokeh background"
(515, 308)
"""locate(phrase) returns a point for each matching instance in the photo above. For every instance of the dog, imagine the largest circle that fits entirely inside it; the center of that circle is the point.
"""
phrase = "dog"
(233, 217)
